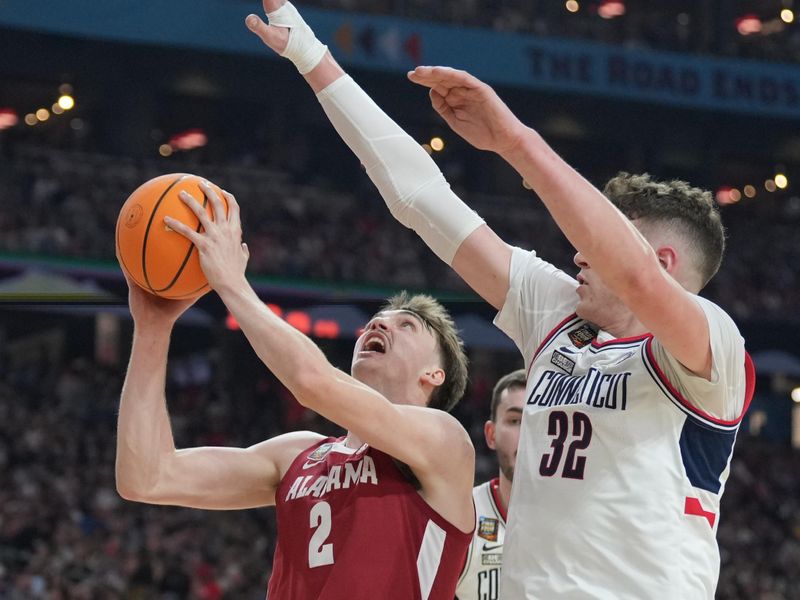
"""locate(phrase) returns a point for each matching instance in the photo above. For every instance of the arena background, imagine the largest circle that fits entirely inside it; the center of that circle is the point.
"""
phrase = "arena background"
(704, 90)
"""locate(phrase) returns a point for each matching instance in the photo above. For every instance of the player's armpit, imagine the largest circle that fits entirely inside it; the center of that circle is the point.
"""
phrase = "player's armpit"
(223, 478)
(483, 261)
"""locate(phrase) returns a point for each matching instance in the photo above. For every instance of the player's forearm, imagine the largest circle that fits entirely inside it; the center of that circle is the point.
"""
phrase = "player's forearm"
(409, 181)
(144, 435)
(594, 226)
(294, 359)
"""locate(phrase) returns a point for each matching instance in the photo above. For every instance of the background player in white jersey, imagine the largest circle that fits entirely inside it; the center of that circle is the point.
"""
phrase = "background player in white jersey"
(480, 578)
(636, 385)
(403, 472)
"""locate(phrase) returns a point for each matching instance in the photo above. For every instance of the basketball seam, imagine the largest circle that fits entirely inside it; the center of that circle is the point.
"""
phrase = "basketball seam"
(147, 235)
(188, 254)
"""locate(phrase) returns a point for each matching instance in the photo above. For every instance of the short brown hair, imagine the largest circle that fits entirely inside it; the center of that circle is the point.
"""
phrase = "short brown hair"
(689, 210)
(451, 348)
(514, 380)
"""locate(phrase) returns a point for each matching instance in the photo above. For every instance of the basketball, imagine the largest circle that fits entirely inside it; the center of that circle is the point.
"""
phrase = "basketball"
(157, 259)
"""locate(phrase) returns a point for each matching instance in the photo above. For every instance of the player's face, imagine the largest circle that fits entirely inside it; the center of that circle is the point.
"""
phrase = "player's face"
(596, 302)
(396, 348)
(502, 435)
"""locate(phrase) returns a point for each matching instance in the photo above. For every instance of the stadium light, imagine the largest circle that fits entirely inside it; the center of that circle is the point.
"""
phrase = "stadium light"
(748, 24)
(66, 102)
(437, 144)
(609, 9)
(8, 118)
(750, 191)
(30, 119)
(781, 181)
(56, 109)
(165, 150)
(770, 186)
(572, 6)
(796, 395)
(787, 15)
(42, 114)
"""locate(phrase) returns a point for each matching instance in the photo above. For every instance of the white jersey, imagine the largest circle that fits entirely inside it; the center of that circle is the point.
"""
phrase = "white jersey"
(623, 453)
(480, 579)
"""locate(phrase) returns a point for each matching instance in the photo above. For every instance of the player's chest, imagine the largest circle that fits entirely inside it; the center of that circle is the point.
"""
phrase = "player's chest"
(592, 377)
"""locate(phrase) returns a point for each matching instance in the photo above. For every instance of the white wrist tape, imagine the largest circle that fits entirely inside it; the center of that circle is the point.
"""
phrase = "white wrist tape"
(410, 183)
(303, 49)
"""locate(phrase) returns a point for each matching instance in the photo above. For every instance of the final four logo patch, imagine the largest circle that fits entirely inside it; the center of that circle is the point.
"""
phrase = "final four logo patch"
(582, 335)
(488, 528)
(320, 452)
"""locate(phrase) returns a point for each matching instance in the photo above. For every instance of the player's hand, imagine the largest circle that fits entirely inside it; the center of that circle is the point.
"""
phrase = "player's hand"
(471, 108)
(275, 38)
(223, 256)
(148, 310)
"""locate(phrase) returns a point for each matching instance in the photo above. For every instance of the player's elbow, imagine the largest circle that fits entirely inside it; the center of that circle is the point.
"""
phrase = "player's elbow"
(128, 491)
(311, 383)
(132, 487)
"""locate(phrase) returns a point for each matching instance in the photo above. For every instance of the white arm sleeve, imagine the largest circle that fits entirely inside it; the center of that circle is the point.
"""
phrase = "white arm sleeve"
(723, 396)
(410, 183)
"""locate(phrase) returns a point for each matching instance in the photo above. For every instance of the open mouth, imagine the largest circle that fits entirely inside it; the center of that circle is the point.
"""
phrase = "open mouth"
(374, 344)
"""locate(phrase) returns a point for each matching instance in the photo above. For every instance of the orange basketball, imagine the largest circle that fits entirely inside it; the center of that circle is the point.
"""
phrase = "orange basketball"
(160, 260)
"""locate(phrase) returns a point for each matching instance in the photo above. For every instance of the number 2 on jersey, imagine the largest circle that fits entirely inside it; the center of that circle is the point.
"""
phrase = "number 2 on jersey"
(320, 553)
(558, 429)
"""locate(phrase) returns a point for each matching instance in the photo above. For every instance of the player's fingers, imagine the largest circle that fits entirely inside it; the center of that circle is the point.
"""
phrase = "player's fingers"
(443, 76)
(184, 230)
(438, 102)
(275, 37)
(233, 208)
(197, 209)
(217, 209)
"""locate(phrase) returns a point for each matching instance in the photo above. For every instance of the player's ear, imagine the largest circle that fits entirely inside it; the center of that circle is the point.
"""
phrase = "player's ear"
(668, 259)
(434, 376)
(488, 433)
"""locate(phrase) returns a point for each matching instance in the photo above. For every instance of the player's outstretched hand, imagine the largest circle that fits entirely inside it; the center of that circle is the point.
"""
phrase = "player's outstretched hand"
(150, 311)
(470, 107)
(223, 256)
(275, 38)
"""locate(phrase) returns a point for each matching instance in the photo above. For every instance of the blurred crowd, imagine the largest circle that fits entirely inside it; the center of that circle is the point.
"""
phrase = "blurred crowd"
(65, 204)
(65, 533)
(705, 26)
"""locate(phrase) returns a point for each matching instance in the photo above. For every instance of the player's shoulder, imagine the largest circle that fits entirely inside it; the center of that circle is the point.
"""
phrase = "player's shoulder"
(482, 489)
(714, 312)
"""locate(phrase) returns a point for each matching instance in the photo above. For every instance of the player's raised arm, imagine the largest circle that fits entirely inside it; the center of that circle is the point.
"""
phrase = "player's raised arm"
(148, 466)
(410, 432)
(603, 236)
(409, 181)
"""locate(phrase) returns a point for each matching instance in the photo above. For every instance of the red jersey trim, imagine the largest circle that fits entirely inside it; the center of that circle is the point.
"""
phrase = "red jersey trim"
(494, 491)
(749, 388)
(625, 340)
(549, 338)
(692, 506)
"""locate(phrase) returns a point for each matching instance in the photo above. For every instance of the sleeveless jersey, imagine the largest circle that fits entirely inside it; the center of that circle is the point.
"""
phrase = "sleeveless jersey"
(480, 579)
(623, 453)
(351, 526)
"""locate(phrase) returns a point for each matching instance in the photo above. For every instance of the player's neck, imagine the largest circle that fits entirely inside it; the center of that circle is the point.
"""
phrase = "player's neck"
(623, 326)
(353, 441)
(504, 487)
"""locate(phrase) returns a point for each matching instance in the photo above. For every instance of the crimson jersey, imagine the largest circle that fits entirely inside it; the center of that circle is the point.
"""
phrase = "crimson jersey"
(352, 526)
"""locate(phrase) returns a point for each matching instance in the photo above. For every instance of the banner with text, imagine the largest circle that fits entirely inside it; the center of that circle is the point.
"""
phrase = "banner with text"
(392, 44)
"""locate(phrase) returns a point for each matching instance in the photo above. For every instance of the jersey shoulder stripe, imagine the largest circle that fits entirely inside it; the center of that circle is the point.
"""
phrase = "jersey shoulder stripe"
(685, 405)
